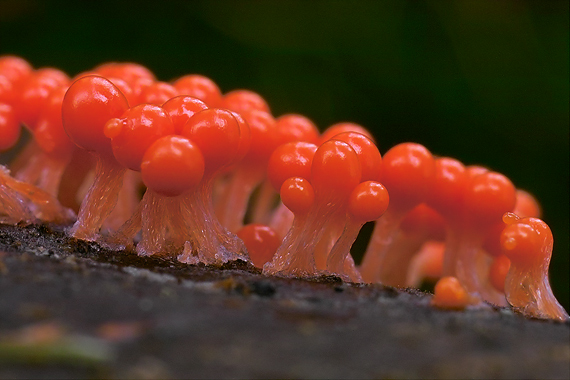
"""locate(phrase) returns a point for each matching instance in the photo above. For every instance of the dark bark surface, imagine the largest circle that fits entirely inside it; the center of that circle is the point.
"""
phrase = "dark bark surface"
(71, 309)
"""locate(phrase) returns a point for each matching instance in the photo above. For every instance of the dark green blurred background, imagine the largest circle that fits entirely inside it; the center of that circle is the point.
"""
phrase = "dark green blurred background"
(486, 82)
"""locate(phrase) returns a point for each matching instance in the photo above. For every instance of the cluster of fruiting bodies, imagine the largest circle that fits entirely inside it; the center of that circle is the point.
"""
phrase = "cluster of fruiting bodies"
(209, 161)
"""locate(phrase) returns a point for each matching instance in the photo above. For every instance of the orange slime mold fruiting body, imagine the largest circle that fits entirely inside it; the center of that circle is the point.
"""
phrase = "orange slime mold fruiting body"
(487, 197)
(87, 106)
(335, 172)
(528, 243)
(97, 139)
(408, 173)
(217, 134)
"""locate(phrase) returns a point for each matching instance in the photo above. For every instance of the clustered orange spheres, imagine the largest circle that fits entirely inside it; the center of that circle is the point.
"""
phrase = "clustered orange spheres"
(223, 179)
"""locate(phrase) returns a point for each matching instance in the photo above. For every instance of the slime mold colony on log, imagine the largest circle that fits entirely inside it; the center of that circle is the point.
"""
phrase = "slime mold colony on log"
(210, 161)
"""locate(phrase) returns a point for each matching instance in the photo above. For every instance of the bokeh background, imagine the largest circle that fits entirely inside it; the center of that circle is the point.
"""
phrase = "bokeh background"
(486, 82)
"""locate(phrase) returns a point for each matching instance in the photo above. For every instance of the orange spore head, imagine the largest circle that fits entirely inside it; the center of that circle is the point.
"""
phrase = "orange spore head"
(293, 159)
(88, 104)
(200, 87)
(127, 71)
(261, 242)
(297, 195)
(181, 109)
(15, 69)
(408, 171)
(450, 294)
(217, 133)
(335, 171)
(243, 100)
(49, 132)
(368, 154)
(339, 128)
(9, 127)
(157, 93)
(449, 185)
(172, 165)
(135, 131)
(368, 201)
(488, 196)
(34, 93)
(527, 242)
(264, 137)
(292, 127)
(475, 170)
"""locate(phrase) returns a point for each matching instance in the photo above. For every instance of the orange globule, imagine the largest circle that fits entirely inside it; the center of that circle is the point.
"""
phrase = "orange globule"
(292, 127)
(243, 100)
(297, 195)
(450, 294)
(293, 159)
(408, 171)
(135, 131)
(172, 165)
(87, 106)
(217, 133)
(368, 201)
(199, 87)
(368, 154)
(181, 108)
(335, 171)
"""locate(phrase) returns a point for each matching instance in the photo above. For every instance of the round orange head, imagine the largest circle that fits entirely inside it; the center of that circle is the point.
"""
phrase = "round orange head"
(293, 159)
(49, 132)
(181, 109)
(15, 69)
(368, 201)
(450, 294)
(158, 93)
(488, 197)
(127, 71)
(89, 103)
(264, 138)
(449, 186)
(335, 171)
(527, 242)
(297, 195)
(293, 127)
(408, 171)
(135, 131)
(339, 128)
(243, 100)
(172, 165)
(199, 87)
(34, 94)
(368, 154)
(217, 133)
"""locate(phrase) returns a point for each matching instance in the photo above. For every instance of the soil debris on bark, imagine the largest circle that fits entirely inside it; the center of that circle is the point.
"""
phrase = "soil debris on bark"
(72, 309)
